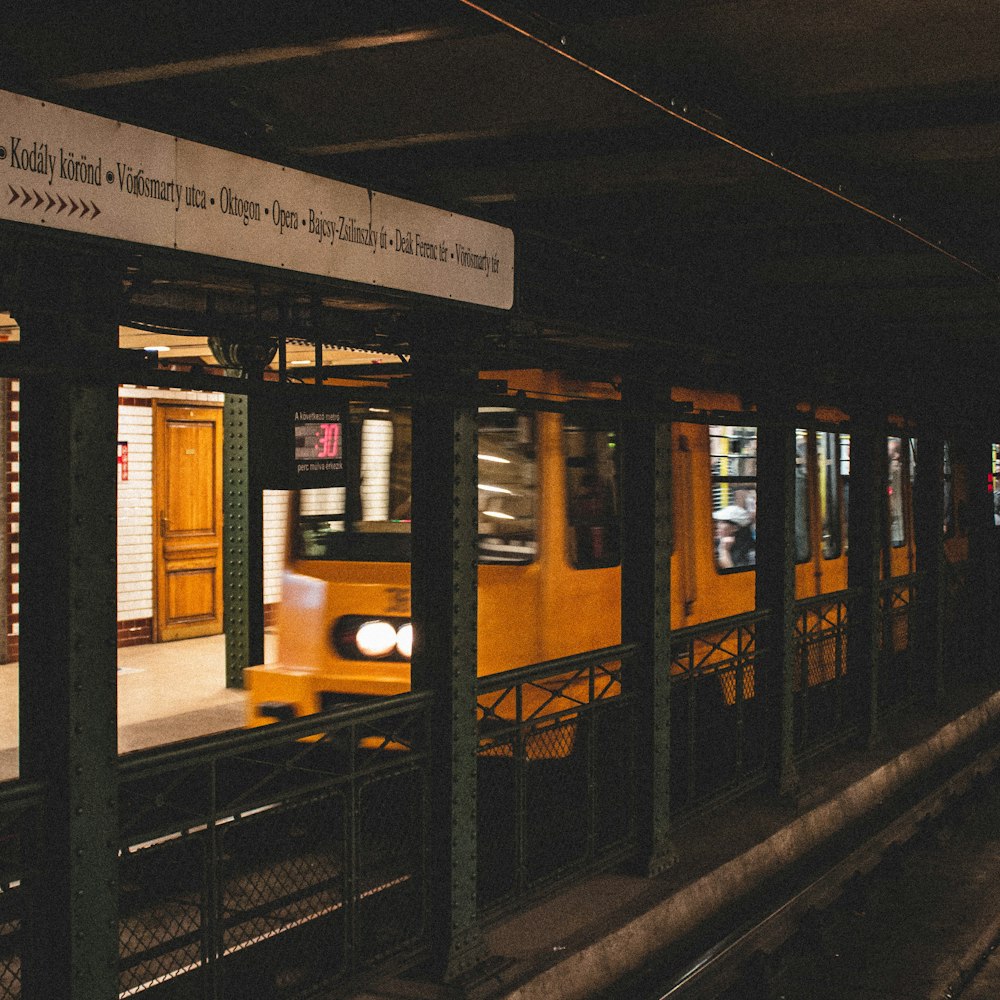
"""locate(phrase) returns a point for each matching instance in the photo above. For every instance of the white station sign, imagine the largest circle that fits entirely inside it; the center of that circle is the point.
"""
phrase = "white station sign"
(67, 170)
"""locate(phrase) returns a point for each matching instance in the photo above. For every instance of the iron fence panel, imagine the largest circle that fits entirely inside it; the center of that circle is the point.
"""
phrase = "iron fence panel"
(20, 811)
(718, 723)
(963, 649)
(262, 862)
(897, 679)
(555, 759)
(820, 684)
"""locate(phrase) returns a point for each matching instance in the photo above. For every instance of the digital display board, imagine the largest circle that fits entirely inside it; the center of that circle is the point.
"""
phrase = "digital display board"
(317, 440)
(318, 447)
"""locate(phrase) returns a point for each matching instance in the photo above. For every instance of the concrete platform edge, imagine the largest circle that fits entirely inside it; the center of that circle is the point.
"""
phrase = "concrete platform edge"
(597, 966)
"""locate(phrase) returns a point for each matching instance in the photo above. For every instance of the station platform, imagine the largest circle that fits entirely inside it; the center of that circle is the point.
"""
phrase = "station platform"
(584, 942)
(167, 691)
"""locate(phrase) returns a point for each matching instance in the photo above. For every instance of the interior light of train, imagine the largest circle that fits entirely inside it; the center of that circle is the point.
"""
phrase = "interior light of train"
(376, 638)
(493, 458)
(495, 489)
(159, 348)
(499, 514)
(404, 641)
(377, 409)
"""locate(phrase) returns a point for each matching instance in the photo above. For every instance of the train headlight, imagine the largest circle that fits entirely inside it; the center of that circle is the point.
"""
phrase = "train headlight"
(404, 641)
(375, 639)
(355, 637)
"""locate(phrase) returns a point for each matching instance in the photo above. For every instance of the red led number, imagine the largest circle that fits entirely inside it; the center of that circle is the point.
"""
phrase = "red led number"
(328, 441)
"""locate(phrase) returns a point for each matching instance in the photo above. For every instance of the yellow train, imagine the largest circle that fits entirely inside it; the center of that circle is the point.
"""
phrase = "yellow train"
(549, 566)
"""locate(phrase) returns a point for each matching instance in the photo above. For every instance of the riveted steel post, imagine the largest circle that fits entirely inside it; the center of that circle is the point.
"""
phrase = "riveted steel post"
(984, 558)
(866, 512)
(243, 533)
(645, 607)
(444, 606)
(775, 583)
(928, 516)
(67, 309)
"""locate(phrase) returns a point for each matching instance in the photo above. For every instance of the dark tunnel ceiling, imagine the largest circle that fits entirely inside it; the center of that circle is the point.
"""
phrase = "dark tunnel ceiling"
(862, 237)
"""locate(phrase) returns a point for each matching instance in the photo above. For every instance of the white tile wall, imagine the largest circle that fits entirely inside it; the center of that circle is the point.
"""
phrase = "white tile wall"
(14, 606)
(275, 522)
(376, 451)
(135, 515)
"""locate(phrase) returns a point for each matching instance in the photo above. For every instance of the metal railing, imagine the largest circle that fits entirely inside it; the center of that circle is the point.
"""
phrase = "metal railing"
(821, 698)
(20, 811)
(256, 862)
(720, 685)
(269, 860)
(555, 765)
(897, 675)
(961, 631)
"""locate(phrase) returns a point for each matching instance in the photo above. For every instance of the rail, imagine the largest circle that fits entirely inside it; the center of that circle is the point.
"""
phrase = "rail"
(765, 921)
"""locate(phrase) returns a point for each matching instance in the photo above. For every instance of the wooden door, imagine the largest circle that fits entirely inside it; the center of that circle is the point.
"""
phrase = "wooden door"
(187, 508)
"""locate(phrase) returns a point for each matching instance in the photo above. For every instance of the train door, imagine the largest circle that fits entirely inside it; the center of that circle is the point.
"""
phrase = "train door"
(187, 508)
(899, 556)
(514, 496)
(828, 454)
(581, 602)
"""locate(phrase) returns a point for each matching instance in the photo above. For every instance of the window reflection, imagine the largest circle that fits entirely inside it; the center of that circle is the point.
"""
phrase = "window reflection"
(733, 452)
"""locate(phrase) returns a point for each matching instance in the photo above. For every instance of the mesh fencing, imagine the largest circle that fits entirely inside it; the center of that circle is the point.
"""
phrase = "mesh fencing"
(554, 774)
(821, 698)
(278, 860)
(720, 686)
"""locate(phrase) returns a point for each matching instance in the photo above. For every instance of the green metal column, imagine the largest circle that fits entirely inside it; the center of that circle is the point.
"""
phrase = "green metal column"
(866, 512)
(645, 599)
(775, 582)
(243, 534)
(928, 515)
(67, 309)
(444, 609)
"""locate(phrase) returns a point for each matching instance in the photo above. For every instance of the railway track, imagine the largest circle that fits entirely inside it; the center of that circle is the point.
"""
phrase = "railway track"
(858, 925)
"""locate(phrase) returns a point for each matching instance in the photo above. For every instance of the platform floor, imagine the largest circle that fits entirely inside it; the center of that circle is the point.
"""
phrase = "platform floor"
(167, 691)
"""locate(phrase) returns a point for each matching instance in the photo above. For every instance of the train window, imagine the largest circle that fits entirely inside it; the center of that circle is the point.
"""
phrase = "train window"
(321, 514)
(829, 494)
(993, 483)
(733, 454)
(508, 486)
(369, 519)
(948, 520)
(894, 492)
(802, 547)
(591, 496)
(845, 485)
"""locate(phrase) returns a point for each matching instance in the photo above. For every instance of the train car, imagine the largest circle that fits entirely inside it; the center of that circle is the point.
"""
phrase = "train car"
(548, 539)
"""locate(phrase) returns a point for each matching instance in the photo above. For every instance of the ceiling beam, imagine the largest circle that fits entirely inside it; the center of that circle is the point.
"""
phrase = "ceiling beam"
(247, 58)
